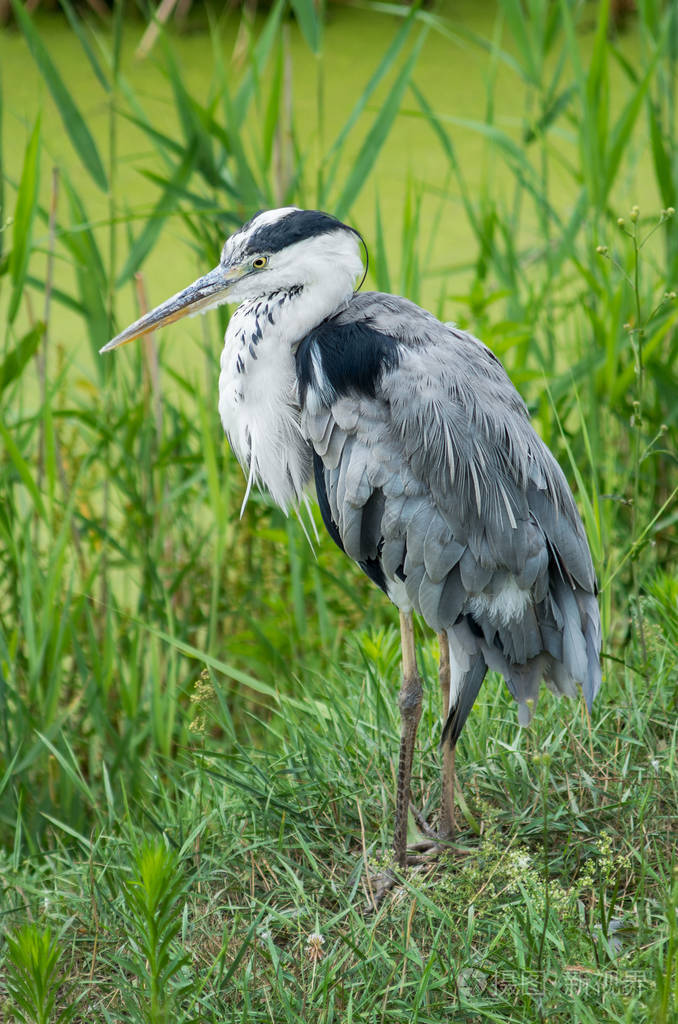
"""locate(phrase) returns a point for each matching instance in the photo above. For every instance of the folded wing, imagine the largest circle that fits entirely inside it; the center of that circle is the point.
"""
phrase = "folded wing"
(430, 476)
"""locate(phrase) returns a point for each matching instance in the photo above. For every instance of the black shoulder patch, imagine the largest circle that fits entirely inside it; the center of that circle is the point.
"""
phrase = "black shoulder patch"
(293, 227)
(352, 356)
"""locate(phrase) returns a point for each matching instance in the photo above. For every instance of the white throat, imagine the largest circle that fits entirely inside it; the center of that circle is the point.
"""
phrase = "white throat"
(258, 394)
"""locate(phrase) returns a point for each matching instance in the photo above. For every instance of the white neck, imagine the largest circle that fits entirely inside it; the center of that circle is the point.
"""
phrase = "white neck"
(258, 396)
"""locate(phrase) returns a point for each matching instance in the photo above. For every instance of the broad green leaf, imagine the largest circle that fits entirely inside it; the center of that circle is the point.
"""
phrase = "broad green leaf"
(662, 158)
(24, 215)
(72, 119)
(310, 20)
(14, 362)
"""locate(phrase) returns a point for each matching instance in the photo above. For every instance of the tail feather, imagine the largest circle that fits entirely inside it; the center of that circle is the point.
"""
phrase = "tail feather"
(592, 632)
(468, 689)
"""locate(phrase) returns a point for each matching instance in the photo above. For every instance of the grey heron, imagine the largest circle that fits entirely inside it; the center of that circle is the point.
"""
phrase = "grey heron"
(427, 470)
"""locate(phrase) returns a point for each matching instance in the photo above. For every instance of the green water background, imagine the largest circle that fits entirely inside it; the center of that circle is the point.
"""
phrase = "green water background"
(458, 79)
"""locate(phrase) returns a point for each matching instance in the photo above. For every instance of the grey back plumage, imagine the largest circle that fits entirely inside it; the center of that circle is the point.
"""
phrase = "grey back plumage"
(433, 473)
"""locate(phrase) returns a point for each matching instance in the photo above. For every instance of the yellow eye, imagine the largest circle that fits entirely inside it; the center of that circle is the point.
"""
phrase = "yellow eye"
(259, 262)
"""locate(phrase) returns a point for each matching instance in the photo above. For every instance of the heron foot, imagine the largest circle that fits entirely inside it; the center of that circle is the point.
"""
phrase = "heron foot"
(380, 885)
(434, 840)
(420, 854)
(422, 824)
(431, 846)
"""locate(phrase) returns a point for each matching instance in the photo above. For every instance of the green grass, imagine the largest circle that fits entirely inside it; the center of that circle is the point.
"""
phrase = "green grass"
(198, 718)
(256, 847)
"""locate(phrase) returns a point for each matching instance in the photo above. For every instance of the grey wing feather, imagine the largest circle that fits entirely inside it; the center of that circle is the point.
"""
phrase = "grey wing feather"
(441, 550)
(474, 575)
(392, 554)
(429, 601)
(441, 476)
(452, 599)
(333, 448)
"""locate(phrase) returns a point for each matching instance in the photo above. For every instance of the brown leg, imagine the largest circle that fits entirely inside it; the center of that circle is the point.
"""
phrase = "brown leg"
(409, 702)
(447, 825)
(410, 712)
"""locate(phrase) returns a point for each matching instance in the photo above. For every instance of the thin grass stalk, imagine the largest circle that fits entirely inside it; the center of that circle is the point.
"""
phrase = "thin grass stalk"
(104, 588)
(283, 139)
(42, 354)
(151, 371)
(320, 118)
(636, 338)
(287, 142)
(2, 174)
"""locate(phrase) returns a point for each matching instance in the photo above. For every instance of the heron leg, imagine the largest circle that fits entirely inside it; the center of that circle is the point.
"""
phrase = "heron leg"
(409, 702)
(447, 825)
(435, 842)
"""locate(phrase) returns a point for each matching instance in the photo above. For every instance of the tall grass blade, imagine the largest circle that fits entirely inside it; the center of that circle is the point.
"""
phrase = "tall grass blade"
(24, 215)
(88, 263)
(77, 26)
(381, 271)
(333, 155)
(23, 468)
(163, 209)
(73, 121)
(622, 130)
(665, 161)
(258, 55)
(374, 141)
(195, 120)
(518, 22)
(310, 18)
(16, 359)
(2, 180)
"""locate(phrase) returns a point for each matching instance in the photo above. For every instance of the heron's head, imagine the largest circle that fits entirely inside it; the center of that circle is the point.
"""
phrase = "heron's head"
(278, 250)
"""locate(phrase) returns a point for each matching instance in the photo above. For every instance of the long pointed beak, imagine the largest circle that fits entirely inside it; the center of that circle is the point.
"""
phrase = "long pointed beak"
(210, 290)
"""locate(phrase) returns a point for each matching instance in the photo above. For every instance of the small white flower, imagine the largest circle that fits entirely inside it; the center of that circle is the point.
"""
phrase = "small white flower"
(314, 946)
